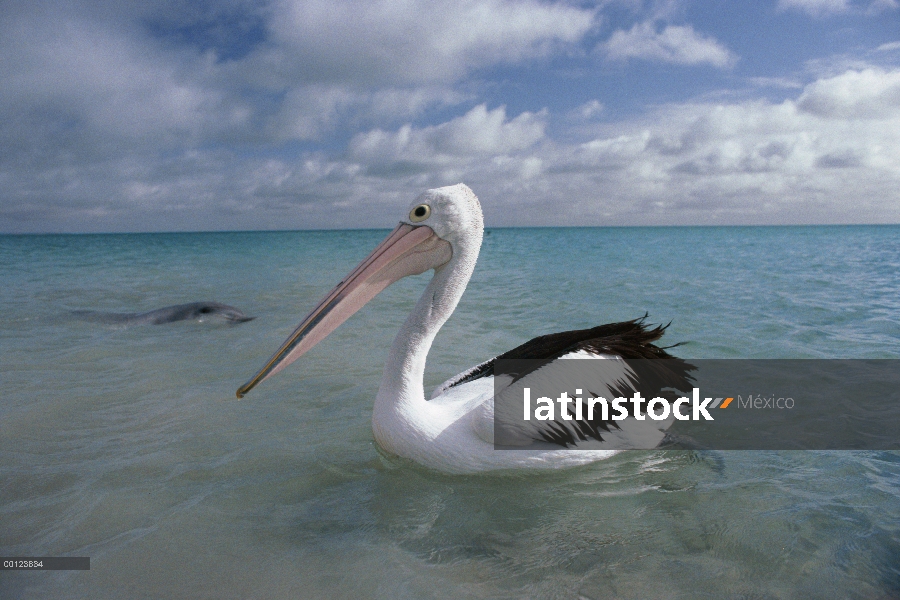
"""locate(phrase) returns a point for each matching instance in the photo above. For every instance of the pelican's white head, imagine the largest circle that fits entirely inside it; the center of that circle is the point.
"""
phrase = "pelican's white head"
(443, 228)
(452, 212)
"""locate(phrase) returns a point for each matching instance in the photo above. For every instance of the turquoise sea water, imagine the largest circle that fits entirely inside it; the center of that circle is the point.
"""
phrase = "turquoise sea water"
(126, 444)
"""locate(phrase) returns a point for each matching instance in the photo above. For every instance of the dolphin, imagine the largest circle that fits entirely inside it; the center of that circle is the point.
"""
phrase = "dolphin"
(168, 314)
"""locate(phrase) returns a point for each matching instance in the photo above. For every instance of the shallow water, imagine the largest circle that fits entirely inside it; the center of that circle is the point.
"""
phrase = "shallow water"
(126, 444)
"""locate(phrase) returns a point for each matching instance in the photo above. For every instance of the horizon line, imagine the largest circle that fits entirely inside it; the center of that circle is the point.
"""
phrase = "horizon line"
(487, 228)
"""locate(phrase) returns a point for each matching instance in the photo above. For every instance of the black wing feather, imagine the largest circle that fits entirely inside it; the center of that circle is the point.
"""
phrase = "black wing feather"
(629, 339)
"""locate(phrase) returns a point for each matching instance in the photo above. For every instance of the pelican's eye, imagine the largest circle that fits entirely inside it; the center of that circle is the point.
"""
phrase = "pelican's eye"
(420, 213)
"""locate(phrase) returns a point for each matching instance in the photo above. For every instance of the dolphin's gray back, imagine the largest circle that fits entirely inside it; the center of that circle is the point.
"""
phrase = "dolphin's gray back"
(168, 314)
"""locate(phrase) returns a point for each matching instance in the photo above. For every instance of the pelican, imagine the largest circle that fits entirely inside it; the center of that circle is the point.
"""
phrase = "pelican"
(453, 431)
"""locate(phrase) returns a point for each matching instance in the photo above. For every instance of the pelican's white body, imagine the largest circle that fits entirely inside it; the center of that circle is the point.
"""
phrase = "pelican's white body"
(453, 433)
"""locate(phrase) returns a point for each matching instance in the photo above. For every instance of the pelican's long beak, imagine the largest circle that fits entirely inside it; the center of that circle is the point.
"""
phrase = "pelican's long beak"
(406, 251)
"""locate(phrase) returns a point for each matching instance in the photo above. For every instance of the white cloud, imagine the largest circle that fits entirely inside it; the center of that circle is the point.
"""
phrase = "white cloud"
(868, 94)
(674, 44)
(310, 112)
(822, 8)
(829, 155)
(478, 133)
(96, 78)
(816, 8)
(776, 82)
(590, 110)
(417, 40)
(307, 112)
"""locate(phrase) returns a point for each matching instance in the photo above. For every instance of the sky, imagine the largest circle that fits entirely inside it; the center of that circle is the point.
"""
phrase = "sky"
(192, 115)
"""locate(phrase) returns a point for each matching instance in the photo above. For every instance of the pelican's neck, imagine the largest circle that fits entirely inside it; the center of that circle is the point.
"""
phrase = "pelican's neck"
(402, 382)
